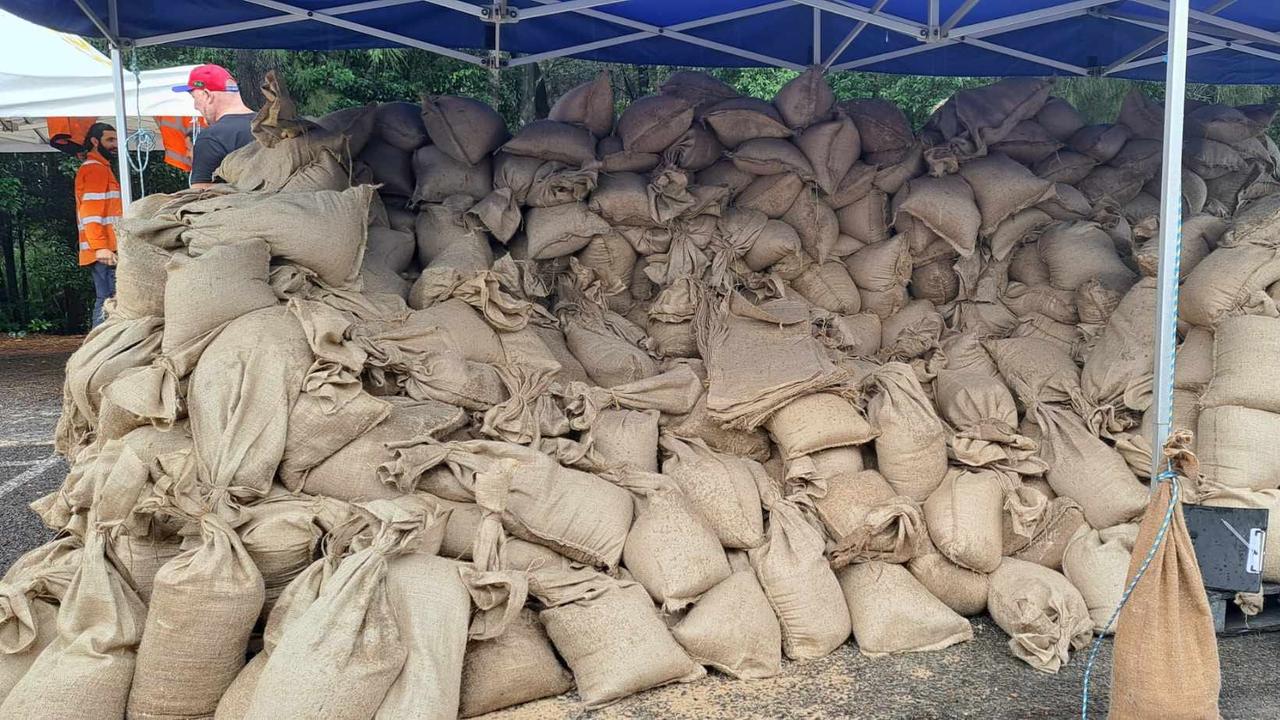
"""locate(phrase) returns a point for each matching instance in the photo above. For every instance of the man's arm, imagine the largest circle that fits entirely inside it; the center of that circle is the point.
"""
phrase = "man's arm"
(93, 193)
(206, 156)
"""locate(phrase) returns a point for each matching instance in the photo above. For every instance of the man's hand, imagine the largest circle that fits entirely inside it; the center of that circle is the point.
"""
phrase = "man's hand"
(106, 257)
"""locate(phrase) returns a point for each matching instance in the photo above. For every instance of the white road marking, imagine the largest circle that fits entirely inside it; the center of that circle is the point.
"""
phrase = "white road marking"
(28, 475)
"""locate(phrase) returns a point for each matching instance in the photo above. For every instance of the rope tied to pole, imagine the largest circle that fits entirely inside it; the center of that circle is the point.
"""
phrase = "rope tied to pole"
(1168, 475)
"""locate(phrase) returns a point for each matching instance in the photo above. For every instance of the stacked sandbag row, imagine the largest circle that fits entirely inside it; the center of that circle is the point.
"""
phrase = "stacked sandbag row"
(716, 381)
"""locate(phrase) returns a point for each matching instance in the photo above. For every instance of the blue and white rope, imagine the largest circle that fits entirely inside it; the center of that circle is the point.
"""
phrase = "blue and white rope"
(1142, 569)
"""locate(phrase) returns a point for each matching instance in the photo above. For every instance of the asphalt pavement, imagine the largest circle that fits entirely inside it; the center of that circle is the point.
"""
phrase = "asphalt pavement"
(978, 679)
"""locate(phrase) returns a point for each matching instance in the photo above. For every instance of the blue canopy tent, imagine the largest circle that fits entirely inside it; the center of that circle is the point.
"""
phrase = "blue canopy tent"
(1216, 41)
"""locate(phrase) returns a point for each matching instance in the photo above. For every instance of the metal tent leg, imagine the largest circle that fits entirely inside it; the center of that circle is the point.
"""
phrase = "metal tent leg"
(117, 84)
(1170, 230)
(122, 129)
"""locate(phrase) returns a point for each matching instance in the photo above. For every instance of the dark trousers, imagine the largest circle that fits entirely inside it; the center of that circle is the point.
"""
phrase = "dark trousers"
(104, 287)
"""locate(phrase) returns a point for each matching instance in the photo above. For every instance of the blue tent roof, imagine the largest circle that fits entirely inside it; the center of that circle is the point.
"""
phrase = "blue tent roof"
(1238, 43)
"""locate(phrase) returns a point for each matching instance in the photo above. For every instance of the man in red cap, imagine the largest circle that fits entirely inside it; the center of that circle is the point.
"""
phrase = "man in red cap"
(217, 98)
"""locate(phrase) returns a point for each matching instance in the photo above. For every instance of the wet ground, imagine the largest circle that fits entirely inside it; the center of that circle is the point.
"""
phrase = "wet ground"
(978, 679)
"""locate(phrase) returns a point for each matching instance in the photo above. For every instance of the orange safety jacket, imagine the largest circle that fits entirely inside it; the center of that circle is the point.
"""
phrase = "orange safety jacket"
(98, 206)
(175, 133)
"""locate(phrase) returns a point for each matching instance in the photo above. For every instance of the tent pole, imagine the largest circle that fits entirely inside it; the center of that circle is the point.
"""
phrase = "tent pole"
(122, 128)
(1170, 230)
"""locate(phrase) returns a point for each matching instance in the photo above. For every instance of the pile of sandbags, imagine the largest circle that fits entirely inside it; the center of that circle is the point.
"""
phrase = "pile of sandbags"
(416, 412)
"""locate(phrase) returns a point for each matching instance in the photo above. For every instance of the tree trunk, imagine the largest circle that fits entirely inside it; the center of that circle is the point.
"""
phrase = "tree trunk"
(11, 269)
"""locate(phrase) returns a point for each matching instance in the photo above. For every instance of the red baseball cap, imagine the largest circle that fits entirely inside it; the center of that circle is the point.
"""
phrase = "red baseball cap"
(209, 77)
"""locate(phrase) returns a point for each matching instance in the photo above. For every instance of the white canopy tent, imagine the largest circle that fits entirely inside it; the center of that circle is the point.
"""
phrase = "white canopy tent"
(45, 73)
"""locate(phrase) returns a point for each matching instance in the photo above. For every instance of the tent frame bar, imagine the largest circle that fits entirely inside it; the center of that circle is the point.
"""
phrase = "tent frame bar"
(1213, 43)
(853, 35)
(261, 23)
(1170, 233)
(1126, 61)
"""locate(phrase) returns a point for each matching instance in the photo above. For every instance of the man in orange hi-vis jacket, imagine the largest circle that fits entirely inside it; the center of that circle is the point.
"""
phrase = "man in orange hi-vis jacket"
(98, 208)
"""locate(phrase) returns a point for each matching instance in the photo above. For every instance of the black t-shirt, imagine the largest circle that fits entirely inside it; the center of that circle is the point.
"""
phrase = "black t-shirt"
(215, 142)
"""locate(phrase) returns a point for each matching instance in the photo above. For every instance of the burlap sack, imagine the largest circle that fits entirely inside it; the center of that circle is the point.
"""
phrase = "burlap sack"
(935, 282)
(771, 156)
(239, 442)
(1065, 167)
(652, 123)
(743, 394)
(551, 140)
(143, 556)
(772, 195)
(323, 231)
(626, 438)
(818, 422)
(623, 199)
(698, 424)
(518, 666)
(832, 148)
(351, 473)
(1210, 159)
(1109, 184)
(698, 149)
(1097, 563)
(977, 404)
(140, 277)
(86, 671)
(561, 230)
(613, 158)
(964, 591)
(109, 350)
(337, 647)
(1026, 266)
(739, 119)
(1166, 617)
(911, 450)
(1199, 235)
(964, 519)
(882, 126)
(466, 130)
(912, 332)
(440, 176)
(697, 88)
(432, 611)
(1068, 203)
(400, 124)
(720, 488)
(33, 588)
(1119, 369)
(1140, 113)
(580, 515)
(204, 292)
(1080, 251)
(389, 249)
(1230, 281)
(947, 206)
(733, 629)
(1087, 470)
(1234, 447)
(390, 167)
(609, 357)
(892, 612)
(1100, 142)
(1243, 347)
(589, 105)
(805, 99)
(281, 536)
(973, 119)
(1046, 539)
(670, 550)
(725, 174)
(1059, 118)
(1036, 370)
(816, 224)
(202, 610)
(799, 584)
(1027, 143)
(1041, 611)
(866, 521)
(612, 639)
(866, 219)
(1002, 187)
(1046, 300)
(881, 266)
